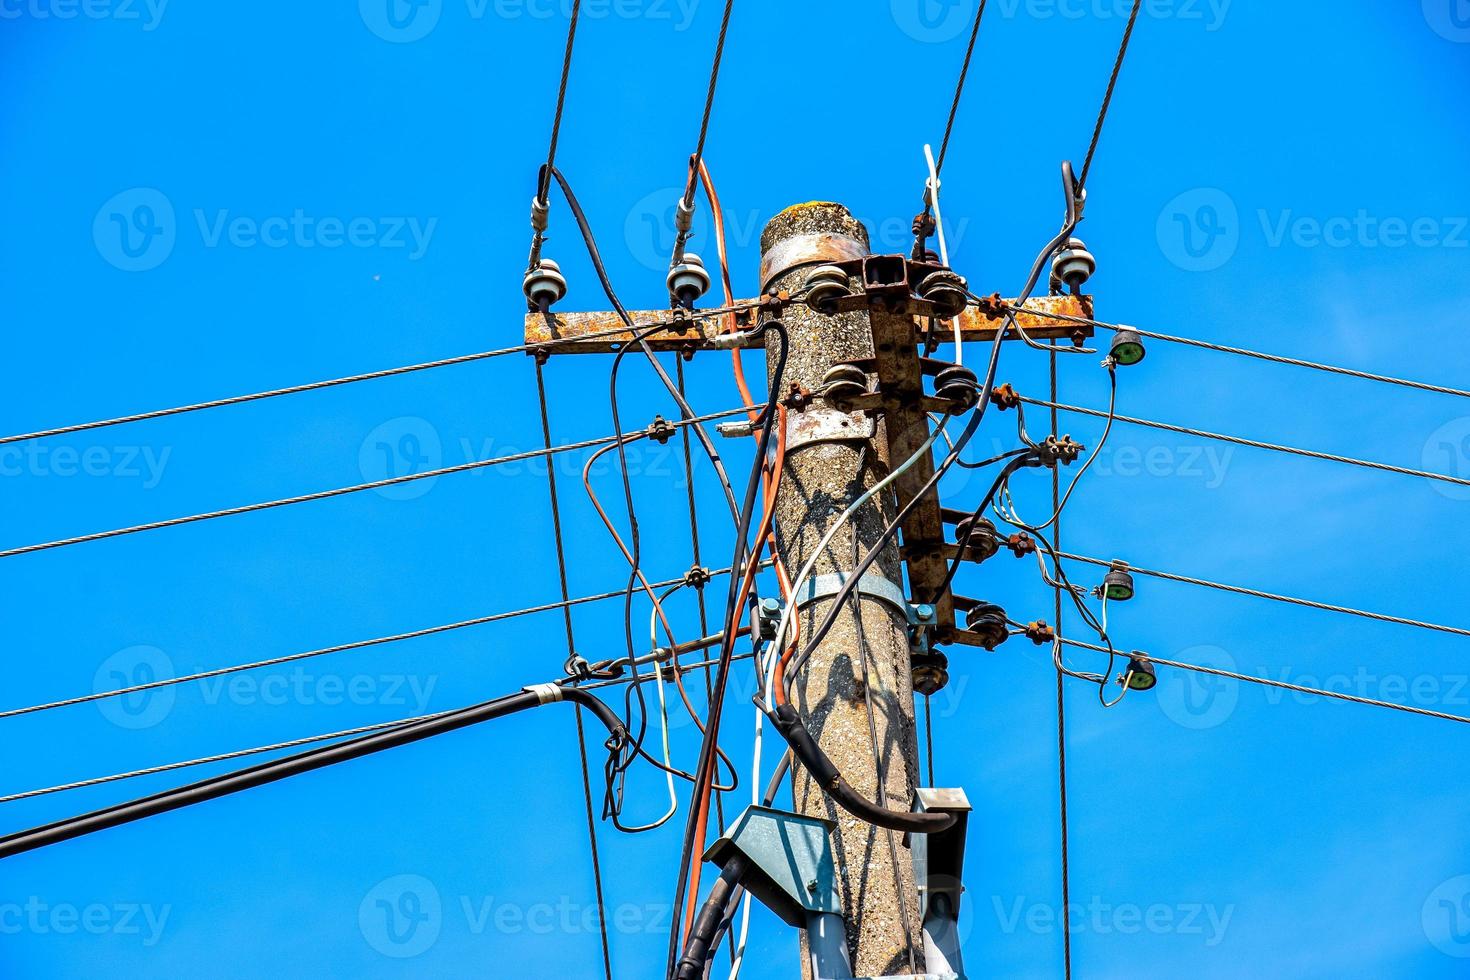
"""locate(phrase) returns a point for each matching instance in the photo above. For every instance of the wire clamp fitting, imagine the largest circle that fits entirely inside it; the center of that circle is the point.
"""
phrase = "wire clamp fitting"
(1039, 632)
(1064, 451)
(768, 613)
(1021, 544)
(1005, 397)
(923, 617)
(991, 307)
(697, 577)
(798, 397)
(579, 670)
(661, 430)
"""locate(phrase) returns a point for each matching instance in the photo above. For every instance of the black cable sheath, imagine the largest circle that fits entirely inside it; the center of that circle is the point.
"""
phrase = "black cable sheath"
(706, 928)
(302, 762)
(829, 777)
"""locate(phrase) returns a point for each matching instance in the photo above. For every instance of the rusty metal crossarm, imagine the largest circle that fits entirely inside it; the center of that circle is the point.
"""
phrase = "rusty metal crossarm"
(1043, 321)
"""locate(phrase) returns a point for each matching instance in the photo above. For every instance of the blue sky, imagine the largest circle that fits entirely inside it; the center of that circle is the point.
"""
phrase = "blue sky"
(332, 189)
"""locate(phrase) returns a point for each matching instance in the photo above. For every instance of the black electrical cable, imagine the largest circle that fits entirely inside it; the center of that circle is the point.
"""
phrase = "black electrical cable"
(592, 251)
(543, 184)
(732, 612)
(826, 775)
(277, 769)
(704, 935)
(922, 226)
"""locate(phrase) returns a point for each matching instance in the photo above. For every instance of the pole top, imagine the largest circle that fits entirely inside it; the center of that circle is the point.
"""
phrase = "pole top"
(814, 233)
(813, 217)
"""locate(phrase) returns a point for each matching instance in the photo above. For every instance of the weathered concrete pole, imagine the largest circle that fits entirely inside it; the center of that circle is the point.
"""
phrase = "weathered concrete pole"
(820, 480)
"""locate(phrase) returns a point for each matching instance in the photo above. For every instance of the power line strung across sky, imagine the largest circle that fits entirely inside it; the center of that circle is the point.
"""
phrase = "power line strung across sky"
(340, 491)
(1283, 685)
(1251, 443)
(566, 604)
(308, 740)
(334, 382)
(1262, 356)
(1274, 597)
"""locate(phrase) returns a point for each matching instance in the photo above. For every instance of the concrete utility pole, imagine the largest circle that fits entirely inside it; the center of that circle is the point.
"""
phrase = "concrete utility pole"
(867, 648)
(832, 457)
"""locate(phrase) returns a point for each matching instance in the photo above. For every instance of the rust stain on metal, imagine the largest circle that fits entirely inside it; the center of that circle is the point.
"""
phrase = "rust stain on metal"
(1040, 321)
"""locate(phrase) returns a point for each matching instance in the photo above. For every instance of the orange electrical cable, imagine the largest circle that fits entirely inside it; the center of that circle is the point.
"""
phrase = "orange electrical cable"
(765, 537)
(763, 534)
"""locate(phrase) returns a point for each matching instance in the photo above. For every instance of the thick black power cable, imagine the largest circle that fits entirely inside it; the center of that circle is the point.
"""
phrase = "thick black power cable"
(561, 571)
(1102, 114)
(869, 668)
(277, 769)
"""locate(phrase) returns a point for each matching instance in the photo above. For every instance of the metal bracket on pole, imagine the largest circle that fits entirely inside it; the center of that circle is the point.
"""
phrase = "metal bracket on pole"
(872, 584)
(819, 425)
(939, 861)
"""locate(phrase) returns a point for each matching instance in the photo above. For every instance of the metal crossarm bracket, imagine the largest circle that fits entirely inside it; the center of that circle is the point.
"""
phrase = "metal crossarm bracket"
(605, 333)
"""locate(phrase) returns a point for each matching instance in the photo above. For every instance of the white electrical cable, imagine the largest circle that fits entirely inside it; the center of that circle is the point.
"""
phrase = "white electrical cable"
(932, 185)
(774, 649)
(663, 716)
(784, 628)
